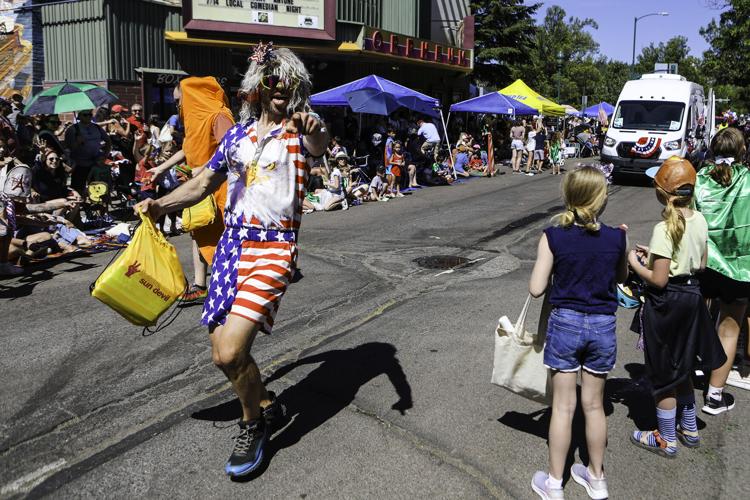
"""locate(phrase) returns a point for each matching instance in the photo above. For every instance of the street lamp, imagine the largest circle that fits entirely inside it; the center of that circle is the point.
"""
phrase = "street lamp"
(559, 73)
(635, 27)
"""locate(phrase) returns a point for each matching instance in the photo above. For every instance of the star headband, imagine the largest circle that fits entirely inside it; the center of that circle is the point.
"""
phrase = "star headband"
(262, 53)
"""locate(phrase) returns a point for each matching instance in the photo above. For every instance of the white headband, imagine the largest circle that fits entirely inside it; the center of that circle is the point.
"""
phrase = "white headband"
(720, 159)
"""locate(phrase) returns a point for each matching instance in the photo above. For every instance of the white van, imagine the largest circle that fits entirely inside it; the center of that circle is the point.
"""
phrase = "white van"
(657, 116)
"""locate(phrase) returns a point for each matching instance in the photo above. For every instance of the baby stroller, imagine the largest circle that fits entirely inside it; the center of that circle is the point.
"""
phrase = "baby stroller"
(586, 148)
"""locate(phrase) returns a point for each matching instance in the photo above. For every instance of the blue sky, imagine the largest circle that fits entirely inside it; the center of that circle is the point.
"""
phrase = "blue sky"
(615, 19)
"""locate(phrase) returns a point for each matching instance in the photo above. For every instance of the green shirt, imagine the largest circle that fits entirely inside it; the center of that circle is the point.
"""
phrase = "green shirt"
(727, 212)
(687, 259)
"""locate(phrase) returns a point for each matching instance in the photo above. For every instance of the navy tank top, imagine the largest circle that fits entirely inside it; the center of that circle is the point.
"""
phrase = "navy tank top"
(584, 273)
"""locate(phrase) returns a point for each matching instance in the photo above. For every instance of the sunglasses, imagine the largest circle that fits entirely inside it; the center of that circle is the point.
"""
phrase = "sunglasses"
(137, 110)
(271, 82)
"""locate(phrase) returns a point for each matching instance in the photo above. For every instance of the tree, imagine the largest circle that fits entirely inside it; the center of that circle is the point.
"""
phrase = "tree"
(727, 61)
(563, 50)
(675, 50)
(614, 75)
(504, 31)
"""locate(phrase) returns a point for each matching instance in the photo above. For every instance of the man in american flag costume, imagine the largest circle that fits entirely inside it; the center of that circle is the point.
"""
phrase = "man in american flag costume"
(263, 160)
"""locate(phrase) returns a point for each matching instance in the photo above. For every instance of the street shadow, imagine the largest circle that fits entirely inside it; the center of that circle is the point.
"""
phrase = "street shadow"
(323, 393)
(537, 424)
(634, 393)
(297, 276)
(227, 411)
(37, 272)
(24, 286)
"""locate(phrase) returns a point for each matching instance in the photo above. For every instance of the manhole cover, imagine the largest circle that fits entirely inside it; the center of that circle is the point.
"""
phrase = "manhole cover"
(441, 261)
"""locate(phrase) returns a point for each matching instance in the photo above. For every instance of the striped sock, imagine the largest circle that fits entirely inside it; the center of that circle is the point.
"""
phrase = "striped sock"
(666, 421)
(688, 423)
(665, 438)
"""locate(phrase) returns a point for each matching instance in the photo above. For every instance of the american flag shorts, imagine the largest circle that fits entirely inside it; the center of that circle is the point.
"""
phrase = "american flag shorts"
(249, 277)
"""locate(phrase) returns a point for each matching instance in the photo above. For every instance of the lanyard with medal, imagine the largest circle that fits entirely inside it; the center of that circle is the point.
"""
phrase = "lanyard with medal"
(252, 168)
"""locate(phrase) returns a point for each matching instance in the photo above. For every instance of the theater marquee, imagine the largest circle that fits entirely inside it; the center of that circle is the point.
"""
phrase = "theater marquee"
(288, 18)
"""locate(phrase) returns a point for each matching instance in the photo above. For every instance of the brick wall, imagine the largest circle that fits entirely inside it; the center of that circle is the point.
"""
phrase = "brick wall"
(128, 92)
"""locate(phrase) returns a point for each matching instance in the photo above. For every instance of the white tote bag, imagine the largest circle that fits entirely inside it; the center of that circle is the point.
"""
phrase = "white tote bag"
(519, 365)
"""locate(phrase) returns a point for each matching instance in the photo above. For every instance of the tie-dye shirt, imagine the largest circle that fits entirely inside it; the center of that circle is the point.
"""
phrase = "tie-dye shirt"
(266, 177)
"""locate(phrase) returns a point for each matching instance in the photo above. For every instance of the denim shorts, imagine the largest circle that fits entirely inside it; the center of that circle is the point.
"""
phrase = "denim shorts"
(578, 340)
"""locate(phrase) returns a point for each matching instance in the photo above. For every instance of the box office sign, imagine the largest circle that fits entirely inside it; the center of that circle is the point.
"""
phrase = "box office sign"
(393, 44)
(297, 18)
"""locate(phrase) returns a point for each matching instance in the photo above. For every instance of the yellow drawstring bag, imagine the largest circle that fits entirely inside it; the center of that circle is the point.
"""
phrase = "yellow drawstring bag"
(199, 215)
(145, 280)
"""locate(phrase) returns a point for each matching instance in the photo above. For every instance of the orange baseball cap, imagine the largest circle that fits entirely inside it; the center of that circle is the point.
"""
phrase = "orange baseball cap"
(118, 108)
(676, 176)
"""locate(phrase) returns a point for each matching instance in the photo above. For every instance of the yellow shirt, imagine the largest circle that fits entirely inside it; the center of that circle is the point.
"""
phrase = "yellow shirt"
(689, 256)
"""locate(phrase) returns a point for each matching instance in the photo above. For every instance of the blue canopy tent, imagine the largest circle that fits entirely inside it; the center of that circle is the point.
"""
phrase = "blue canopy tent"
(494, 103)
(378, 96)
(593, 111)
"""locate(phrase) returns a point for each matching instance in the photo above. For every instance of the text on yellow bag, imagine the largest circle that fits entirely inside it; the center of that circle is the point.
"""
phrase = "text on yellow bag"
(145, 280)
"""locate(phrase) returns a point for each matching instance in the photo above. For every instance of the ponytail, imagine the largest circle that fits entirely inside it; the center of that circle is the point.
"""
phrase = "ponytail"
(565, 219)
(675, 223)
(728, 144)
(721, 174)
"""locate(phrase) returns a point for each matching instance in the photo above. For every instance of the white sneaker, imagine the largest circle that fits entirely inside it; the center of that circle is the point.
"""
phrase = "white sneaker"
(736, 379)
(7, 269)
(596, 488)
(539, 485)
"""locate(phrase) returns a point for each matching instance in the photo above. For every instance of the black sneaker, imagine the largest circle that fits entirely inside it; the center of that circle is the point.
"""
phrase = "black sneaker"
(248, 448)
(717, 406)
(274, 413)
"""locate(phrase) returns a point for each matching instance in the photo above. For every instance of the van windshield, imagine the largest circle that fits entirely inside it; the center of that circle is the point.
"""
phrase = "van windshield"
(649, 115)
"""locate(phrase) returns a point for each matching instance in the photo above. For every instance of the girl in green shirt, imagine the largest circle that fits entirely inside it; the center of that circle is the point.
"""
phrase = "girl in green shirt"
(722, 194)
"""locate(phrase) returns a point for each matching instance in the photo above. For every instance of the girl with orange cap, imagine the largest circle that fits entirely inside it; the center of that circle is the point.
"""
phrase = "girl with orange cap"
(676, 327)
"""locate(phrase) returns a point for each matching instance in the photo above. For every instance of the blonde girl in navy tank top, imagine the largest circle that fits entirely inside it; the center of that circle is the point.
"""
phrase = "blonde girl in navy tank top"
(585, 260)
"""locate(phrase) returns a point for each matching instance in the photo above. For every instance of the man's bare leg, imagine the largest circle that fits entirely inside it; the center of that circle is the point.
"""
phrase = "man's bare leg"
(230, 347)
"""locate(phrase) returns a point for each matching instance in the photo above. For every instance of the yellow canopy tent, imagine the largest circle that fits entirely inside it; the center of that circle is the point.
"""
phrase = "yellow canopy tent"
(519, 91)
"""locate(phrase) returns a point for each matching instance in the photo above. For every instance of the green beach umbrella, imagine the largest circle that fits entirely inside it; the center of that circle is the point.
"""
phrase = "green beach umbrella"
(68, 97)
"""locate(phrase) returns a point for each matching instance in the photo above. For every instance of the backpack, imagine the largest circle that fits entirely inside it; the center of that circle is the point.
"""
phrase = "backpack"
(77, 132)
(17, 183)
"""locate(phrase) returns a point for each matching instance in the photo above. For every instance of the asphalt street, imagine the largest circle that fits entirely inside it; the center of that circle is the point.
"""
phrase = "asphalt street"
(383, 364)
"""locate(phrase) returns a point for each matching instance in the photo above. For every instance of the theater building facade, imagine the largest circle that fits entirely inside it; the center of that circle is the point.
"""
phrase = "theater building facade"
(142, 48)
